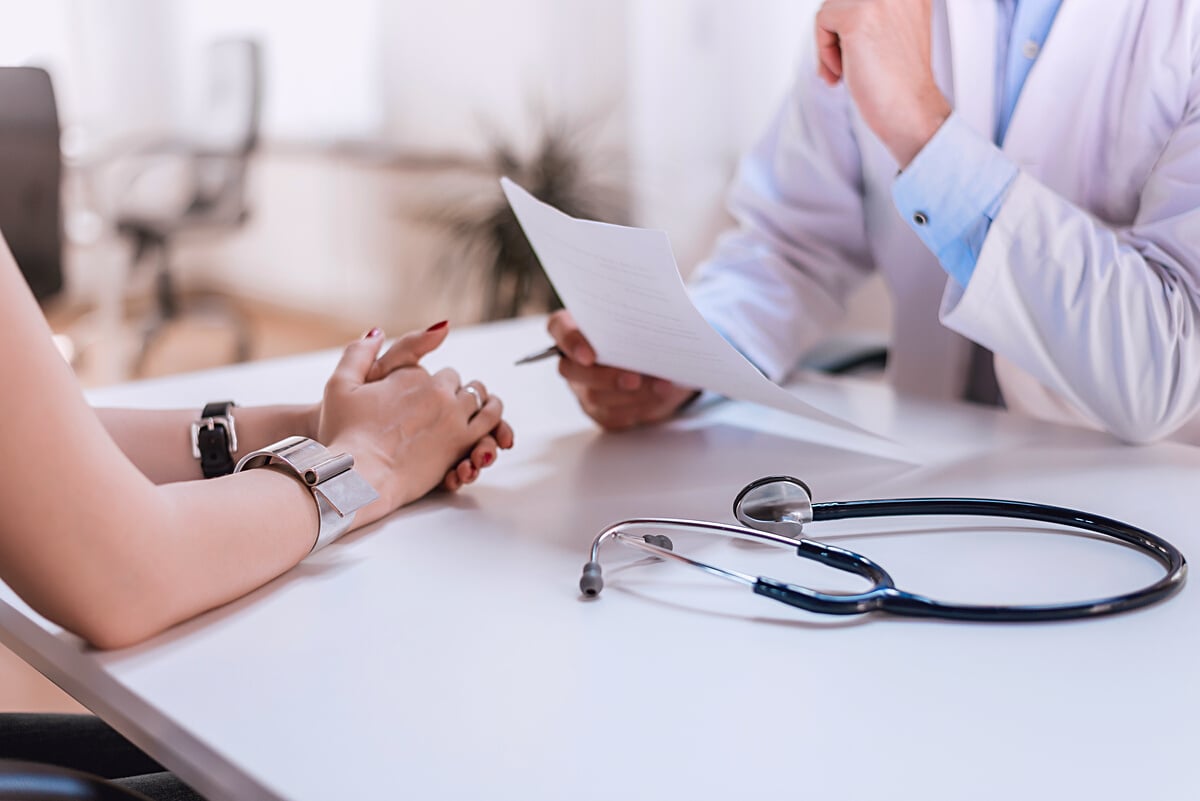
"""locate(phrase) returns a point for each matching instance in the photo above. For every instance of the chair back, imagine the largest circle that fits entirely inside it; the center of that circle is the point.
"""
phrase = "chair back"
(31, 177)
(227, 132)
(231, 110)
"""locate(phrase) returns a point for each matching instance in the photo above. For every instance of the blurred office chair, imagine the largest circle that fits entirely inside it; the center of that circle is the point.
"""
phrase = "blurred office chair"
(31, 177)
(862, 352)
(212, 161)
(31, 781)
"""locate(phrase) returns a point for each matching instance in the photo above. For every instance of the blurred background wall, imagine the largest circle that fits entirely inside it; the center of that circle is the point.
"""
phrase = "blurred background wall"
(378, 116)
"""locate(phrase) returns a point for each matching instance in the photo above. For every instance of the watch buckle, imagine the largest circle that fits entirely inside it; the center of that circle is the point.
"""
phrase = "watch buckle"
(211, 423)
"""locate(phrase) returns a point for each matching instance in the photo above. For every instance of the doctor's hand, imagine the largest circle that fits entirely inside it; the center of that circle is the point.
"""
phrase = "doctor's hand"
(881, 49)
(616, 399)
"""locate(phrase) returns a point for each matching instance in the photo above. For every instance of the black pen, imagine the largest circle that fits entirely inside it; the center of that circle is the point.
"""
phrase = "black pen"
(541, 354)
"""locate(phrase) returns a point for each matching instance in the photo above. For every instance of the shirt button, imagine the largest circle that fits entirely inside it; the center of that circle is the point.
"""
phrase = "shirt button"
(1030, 49)
(920, 218)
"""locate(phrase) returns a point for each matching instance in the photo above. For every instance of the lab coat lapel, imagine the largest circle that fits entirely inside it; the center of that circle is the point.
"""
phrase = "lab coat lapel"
(1057, 79)
(972, 27)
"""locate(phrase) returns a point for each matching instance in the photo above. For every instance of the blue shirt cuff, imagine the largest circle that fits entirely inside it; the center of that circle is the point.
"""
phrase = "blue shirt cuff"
(951, 192)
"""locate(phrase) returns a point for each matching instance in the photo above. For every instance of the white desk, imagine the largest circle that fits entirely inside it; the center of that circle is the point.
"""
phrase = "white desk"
(445, 653)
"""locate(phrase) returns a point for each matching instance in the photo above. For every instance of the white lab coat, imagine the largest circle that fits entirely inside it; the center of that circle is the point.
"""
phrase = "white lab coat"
(1088, 285)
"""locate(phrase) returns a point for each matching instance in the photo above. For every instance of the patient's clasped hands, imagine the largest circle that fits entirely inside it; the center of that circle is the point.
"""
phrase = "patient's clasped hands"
(409, 431)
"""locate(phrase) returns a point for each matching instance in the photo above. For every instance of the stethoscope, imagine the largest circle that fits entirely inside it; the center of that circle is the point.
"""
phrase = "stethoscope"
(776, 508)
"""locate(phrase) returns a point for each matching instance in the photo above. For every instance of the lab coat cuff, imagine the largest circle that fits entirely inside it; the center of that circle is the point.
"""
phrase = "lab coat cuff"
(950, 191)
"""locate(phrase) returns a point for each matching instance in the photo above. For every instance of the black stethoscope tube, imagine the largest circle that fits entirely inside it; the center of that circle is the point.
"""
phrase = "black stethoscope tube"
(888, 599)
(775, 509)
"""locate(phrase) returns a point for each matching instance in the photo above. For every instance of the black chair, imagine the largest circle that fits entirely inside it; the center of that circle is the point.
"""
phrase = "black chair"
(216, 155)
(31, 177)
(31, 781)
(848, 354)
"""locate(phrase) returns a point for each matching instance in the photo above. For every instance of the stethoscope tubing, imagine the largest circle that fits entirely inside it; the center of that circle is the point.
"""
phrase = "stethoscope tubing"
(884, 596)
(890, 600)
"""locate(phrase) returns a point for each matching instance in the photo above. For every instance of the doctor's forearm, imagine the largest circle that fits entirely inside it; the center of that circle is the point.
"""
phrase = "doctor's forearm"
(950, 193)
(1112, 328)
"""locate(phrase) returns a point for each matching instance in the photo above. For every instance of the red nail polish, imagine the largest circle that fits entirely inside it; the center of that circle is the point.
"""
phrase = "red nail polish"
(487, 459)
(438, 326)
(374, 332)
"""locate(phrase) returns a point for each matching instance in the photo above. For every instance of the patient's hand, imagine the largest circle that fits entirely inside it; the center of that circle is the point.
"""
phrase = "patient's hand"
(406, 429)
(616, 399)
(408, 351)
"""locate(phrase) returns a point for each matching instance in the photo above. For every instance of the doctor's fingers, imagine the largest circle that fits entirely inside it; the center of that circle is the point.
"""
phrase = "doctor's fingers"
(646, 401)
(570, 339)
(620, 418)
(601, 377)
(614, 398)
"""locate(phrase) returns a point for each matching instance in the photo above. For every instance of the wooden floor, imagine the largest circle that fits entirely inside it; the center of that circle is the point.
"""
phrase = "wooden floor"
(104, 354)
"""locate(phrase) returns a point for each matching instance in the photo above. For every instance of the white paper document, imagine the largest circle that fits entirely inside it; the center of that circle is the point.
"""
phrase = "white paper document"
(625, 291)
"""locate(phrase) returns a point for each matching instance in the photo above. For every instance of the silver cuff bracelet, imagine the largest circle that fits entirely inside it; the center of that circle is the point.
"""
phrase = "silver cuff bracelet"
(338, 490)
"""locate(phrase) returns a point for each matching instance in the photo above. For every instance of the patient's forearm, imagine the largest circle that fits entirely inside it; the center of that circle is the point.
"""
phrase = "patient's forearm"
(165, 554)
(158, 441)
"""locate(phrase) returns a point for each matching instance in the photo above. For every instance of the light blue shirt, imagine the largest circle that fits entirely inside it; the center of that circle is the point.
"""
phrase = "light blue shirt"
(955, 186)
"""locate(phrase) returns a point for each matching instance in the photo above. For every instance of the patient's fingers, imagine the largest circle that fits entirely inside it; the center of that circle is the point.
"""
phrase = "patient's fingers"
(503, 434)
(408, 350)
(484, 453)
(466, 471)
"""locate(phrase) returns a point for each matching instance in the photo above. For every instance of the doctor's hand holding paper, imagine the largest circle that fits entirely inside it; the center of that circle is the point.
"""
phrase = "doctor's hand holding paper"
(1025, 174)
(616, 399)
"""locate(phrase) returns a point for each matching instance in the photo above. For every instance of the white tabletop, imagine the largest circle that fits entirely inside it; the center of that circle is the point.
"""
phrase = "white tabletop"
(445, 653)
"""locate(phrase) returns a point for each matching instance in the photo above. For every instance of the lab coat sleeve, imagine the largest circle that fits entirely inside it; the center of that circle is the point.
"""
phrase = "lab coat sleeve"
(950, 194)
(1103, 317)
(774, 284)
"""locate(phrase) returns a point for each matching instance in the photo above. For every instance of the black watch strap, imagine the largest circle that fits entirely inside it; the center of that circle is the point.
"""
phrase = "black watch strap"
(214, 439)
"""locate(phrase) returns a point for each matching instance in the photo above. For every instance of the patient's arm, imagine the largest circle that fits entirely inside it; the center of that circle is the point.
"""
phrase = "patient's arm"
(90, 542)
(159, 442)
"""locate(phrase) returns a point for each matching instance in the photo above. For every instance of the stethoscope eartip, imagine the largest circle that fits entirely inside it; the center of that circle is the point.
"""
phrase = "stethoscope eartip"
(591, 582)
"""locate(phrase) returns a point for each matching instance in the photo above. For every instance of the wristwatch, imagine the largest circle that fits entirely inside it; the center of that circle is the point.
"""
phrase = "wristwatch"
(337, 488)
(214, 439)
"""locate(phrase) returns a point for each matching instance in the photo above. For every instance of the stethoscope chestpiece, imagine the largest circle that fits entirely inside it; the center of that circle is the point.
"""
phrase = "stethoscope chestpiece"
(779, 504)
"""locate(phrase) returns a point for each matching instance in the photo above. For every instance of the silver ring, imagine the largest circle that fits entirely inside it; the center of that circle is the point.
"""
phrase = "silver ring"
(477, 395)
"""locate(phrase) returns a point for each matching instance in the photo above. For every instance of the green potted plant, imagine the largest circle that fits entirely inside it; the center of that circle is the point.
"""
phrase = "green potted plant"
(487, 251)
